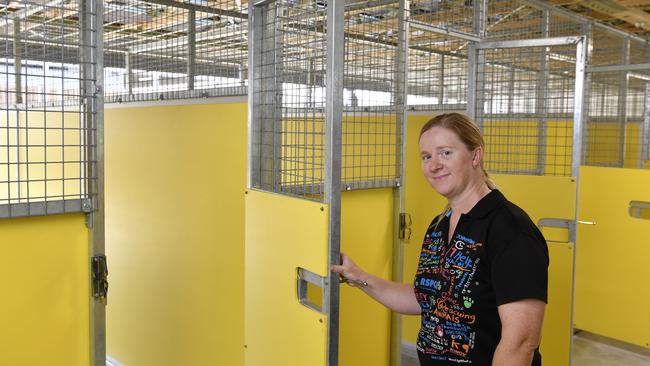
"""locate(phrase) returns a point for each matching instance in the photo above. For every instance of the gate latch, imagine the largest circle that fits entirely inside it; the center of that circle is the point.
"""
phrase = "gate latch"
(99, 270)
(405, 226)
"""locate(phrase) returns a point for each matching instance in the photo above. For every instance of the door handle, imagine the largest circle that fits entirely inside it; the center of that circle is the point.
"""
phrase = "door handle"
(570, 225)
(304, 278)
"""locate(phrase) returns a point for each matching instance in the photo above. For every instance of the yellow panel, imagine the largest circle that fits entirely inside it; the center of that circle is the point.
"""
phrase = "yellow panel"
(423, 203)
(550, 197)
(45, 291)
(282, 234)
(367, 236)
(174, 234)
(612, 272)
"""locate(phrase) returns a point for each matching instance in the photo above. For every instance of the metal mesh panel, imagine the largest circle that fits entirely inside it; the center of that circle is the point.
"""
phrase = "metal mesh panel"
(456, 15)
(616, 129)
(510, 20)
(608, 48)
(289, 94)
(371, 131)
(166, 49)
(437, 71)
(524, 106)
(48, 127)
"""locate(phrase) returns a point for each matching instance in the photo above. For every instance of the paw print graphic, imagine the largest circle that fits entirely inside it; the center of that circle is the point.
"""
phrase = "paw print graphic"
(468, 302)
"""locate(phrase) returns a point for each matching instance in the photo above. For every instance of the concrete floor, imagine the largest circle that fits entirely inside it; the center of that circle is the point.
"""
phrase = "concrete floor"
(587, 351)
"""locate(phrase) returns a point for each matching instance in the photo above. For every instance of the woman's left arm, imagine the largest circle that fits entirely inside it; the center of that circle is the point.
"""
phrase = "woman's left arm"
(521, 332)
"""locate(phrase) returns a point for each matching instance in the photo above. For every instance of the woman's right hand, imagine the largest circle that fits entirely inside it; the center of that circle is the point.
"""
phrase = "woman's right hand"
(349, 270)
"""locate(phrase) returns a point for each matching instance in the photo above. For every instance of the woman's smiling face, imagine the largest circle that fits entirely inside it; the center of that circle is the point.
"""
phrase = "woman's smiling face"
(447, 164)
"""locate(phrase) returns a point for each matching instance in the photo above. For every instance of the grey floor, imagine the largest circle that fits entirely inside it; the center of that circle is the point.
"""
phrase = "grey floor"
(587, 351)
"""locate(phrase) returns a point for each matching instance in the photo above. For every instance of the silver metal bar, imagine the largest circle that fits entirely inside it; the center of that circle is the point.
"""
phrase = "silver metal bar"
(443, 30)
(541, 97)
(191, 48)
(645, 132)
(441, 80)
(333, 151)
(578, 103)
(617, 68)
(129, 72)
(199, 8)
(570, 225)
(41, 208)
(479, 23)
(399, 199)
(366, 4)
(28, 11)
(304, 277)
(253, 174)
(92, 47)
(18, 62)
(476, 65)
(622, 104)
(472, 75)
(540, 42)
(580, 19)
(180, 41)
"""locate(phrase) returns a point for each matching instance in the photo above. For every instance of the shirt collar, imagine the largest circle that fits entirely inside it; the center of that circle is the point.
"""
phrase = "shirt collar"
(486, 204)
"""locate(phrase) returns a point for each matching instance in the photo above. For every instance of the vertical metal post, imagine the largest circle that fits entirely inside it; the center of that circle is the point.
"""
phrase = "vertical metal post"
(399, 193)
(441, 80)
(129, 72)
(645, 132)
(92, 70)
(253, 173)
(578, 105)
(476, 64)
(310, 83)
(191, 48)
(587, 108)
(18, 63)
(264, 96)
(333, 146)
(511, 90)
(541, 96)
(278, 90)
(622, 103)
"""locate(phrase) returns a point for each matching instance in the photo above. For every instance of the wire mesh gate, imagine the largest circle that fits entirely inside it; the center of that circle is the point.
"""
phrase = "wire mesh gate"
(50, 94)
(295, 137)
(529, 104)
(51, 131)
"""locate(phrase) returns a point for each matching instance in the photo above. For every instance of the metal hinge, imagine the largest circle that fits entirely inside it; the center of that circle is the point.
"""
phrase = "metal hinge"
(99, 270)
(405, 226)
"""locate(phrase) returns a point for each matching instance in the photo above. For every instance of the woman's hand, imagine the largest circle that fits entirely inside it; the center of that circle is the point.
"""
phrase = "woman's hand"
(349, 270)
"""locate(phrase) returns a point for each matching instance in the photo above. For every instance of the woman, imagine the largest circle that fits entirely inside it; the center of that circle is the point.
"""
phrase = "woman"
(481, 283)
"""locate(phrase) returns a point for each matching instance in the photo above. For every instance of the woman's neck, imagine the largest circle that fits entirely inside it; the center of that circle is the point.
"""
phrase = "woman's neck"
(465, 201)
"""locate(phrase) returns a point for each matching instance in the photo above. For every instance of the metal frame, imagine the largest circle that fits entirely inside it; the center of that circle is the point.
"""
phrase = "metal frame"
(333, 150)
(579, 106)
(645, 134)
(92, 45)
(399, 193)
(622, 102)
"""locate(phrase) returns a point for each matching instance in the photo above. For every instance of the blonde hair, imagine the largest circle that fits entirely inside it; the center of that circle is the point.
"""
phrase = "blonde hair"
(467, 131)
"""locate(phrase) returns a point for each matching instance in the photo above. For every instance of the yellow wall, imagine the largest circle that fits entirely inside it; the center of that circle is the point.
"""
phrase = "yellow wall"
(45, 291)
(177, 260)
(175, 234)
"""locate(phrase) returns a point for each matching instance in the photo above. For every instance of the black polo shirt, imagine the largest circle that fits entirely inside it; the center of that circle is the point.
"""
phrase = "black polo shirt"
(496, 256)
